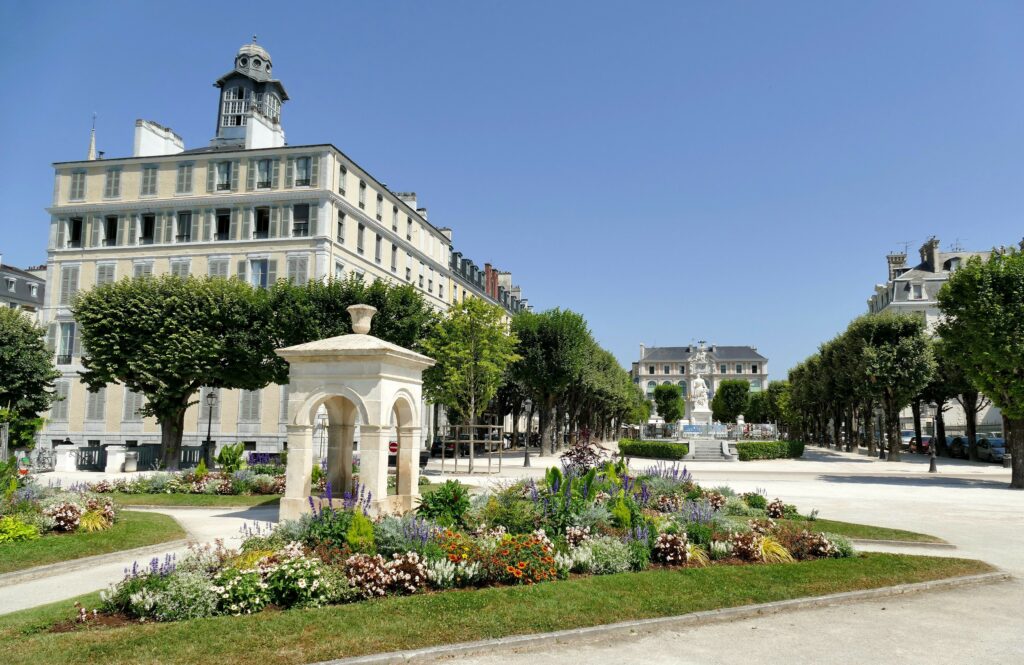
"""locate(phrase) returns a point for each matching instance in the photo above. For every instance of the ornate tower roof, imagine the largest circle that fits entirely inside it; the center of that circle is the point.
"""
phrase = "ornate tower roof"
(254, 61)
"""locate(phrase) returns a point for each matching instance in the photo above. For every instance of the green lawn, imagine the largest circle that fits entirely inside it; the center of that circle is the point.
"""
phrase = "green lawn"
(211, 500)
(133, 529)
(304, 636)
(868, 531)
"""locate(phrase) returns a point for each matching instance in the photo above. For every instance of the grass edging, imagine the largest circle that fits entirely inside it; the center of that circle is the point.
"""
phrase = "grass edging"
(71, 565)
(662, 623)
(902, 543)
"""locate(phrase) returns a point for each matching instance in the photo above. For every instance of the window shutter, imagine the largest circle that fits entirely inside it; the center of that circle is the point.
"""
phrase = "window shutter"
(94, 224)
(275, 221)
(271, 272)
(314, 170)
(158, 228)
(51, 338)
(168, 226)
(286, 222)
(179, 185)
(303, 269)
(208, 226)
(76, 341)
(241, 269)
(210, 173)
(233, 225)
(236, 166)
(249, 230)
(292, 266)
(250, 176)
(313, 208)
(275, 174)
(289, 173)
(62, 232)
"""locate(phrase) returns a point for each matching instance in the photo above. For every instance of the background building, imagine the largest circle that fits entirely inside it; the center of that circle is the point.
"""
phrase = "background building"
(21, 290)
(248, 206)
(670, 364)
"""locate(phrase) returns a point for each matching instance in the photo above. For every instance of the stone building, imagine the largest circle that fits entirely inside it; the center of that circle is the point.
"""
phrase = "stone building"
(247, 206)
(21, 290)
(671, 364)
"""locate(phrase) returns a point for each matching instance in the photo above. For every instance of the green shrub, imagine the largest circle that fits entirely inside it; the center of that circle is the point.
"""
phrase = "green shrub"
(758, 450)
(360, 533)
(609, 556)
(698, 534)
(447, 505)
(186, 596)
(653, 449)
(13, 530)
(516, 515)
(755, 500)
(230, 457)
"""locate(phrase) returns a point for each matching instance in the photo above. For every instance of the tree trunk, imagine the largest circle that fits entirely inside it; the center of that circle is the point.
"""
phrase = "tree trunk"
(869, 426)
(837, 426)
(472, 431)
(1015, 439)
(970, 404)
(915, 408)
(542, 426)
(172, 425)
(939, 442)
(892, 425)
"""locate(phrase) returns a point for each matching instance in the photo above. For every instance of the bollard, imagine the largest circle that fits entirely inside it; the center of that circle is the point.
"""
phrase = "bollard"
(1007, 461)
(881, 453)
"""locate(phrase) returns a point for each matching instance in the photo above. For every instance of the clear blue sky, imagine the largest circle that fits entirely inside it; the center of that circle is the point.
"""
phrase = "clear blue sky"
(734, 171)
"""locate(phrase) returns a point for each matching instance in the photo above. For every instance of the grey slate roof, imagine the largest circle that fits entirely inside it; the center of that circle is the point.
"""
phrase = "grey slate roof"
(715, 352)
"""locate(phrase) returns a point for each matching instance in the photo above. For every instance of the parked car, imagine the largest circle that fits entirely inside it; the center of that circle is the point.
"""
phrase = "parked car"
(924, 448)
(991, 449)
(906, 436)
(958, 447)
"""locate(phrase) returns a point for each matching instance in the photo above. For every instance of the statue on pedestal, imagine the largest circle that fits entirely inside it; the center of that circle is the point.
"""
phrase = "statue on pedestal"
(700, 394)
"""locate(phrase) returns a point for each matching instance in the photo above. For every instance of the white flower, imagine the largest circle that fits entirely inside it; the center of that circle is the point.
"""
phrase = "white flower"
(302, 584)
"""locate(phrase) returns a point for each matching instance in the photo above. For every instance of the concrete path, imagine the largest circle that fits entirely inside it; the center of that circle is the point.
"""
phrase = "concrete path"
(201, 525)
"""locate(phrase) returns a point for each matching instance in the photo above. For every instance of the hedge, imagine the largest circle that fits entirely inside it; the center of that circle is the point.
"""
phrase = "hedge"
(755, 450)
(653, 449)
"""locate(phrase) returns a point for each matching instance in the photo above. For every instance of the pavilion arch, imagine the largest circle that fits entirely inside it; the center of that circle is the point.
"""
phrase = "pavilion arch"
(352, 375)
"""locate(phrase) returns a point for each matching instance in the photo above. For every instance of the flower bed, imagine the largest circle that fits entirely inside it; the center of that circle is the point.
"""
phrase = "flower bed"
(255, 480)
(653, 449)
(758, 450)
(595, 521)
(29, 511)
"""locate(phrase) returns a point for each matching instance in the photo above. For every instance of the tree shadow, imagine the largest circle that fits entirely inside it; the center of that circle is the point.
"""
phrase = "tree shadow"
(917, 481)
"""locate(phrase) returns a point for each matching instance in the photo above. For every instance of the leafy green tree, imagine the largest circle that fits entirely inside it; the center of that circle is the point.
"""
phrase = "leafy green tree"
(553, 348)
(473, 349)
(757, 408)
(730, 399)
(983, 304)
(668, 400)
(27, 374)
(778, 396)
(166, 337)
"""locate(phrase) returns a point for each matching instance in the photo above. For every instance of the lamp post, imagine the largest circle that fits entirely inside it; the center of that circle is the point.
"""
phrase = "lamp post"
(527, 406)
(932, 468)
(211, 401)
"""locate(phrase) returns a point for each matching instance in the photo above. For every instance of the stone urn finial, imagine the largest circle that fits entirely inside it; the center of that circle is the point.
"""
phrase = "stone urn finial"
(361, 316)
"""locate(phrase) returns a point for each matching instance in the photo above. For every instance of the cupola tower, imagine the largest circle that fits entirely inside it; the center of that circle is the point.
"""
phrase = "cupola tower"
(249, 113)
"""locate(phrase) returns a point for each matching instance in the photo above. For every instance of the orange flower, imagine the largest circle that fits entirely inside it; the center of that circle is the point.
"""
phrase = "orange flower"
(522, 565)
(510, 569)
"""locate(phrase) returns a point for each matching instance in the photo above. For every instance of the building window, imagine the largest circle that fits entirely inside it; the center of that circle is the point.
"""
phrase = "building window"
(75, 232)
(682, 389)
(179, 268)
(33, 290)
(341, 227)
(77, 186)
(440, 291)
(421, 275)
(918, 291)
(394, 258)
(755, 385)
(223, 224)
(184, 182)
(104, 273)
(95, 404)
(668, 369)
(300, 220)
(359, 238)
(148, 229)
(298, 269)
(339, 270)
(724, 369)
(148, 181)
(143, 269)
(739, 368)
(59, 410)
(261, 223)
(302, 166)
(133, 403)
(217, 268)
(650, 369)
(408, 273)
(249, 406)
(753, 369)
(377, 249)
(380, 207)
(223, 176)
(650, 388)
(68, 284)
(235, 105)
(66, 343)
(408, 228)
(258, 273)
(110, 231)
(263, 174)
(184, 227)
(362, 194)
(342, 177)
(394, 219)
(112, 188)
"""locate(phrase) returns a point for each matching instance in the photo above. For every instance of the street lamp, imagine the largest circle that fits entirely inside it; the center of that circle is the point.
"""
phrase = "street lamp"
(527, 406)
(932, 468)
(211, 401)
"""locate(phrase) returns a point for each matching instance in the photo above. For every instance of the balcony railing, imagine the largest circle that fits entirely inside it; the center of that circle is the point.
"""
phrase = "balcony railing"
(146, 240)
(63, 358)
(302, 182)
(222, 235)
(300, 229)
(263, 184)
(183, 237)
(223, 186)
(260, 235)
(75, 244)
(110, 242)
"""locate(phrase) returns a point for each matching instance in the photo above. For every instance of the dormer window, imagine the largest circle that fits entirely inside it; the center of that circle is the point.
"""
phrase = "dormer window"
(917, 291)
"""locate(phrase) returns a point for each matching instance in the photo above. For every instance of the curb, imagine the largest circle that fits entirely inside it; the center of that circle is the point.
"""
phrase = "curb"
(661, 623)
(902, 543)
(72, 565)
(156, 507)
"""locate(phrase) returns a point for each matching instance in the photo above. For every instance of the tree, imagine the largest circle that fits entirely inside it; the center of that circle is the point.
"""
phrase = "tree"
(756, 410)
(553, 348)
(668, 399)
(943, 387)
(983, 308)
(472, 349)
(166, 337)
(730, 400)
(27, 374)
(777, 397)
